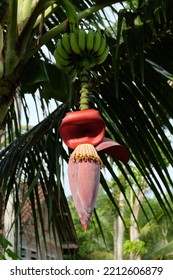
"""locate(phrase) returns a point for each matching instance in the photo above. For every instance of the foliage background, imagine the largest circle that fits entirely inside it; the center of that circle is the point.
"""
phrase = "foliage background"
(132, 90)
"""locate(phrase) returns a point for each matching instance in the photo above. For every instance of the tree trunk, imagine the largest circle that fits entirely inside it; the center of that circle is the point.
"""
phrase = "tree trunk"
(134, 231)
(119, 231)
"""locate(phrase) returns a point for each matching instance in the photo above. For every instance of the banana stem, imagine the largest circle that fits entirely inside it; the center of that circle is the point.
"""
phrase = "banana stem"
(85, 89)
(11, 57)
(71, 14)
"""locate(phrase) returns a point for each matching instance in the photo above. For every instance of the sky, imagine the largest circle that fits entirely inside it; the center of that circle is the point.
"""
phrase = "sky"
(35, 116)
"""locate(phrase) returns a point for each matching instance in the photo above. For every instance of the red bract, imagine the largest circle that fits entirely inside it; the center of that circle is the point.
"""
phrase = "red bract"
(84, 131)
(114, 149)
(82, 127)
(84, 176)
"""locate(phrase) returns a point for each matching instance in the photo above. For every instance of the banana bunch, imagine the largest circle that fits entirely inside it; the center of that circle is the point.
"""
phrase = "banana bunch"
(80, 48)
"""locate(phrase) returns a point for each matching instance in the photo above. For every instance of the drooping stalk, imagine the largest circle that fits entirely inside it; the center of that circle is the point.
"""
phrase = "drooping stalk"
(71, 14)
(85, 89)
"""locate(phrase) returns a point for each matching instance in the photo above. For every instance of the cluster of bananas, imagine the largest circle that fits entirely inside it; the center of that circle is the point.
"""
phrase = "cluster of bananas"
(81, 48)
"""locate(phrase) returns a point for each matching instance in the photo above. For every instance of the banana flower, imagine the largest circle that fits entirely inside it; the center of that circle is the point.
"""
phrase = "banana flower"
(84, 133)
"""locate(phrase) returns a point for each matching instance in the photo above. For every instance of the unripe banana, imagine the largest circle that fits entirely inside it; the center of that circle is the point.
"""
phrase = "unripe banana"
(97, 41)
(66, 43)
(80, 49)
(60, 50)
(102, 46)
(82, 40)
(90, 41)
(63, 64)
(92, 62)
(62, 61)
(74, 43)
(100, 59)
(65, 68)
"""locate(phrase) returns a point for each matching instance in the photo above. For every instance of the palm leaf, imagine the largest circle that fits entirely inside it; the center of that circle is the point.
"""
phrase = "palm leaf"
(131, 91)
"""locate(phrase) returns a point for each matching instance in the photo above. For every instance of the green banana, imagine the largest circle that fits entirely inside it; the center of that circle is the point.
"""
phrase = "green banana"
(80, 49)
(61, 60)
(65, 68)
(97, 42)
(74, 43)
(60, 50)
(90, 40)
(102, 46)
(66, 43)
(92, 62)
(62, 63)
(82, 40)
(100, 59)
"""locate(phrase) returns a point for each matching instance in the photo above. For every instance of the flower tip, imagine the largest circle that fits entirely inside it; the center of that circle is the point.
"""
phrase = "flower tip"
(85, 227)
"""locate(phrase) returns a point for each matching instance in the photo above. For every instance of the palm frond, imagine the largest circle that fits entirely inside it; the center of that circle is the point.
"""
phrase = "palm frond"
(131, 90)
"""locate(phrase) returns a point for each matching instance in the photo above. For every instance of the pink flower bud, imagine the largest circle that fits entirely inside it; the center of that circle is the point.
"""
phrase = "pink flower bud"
(84, 177)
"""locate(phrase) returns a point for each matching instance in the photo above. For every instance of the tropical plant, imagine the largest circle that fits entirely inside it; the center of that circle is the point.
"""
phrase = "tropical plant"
(153, 239)
(131, 89)
(6, 252)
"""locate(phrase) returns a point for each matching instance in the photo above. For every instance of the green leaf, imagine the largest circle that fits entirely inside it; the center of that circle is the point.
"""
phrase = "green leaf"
(128, 37)
(12, 255)
(116, 51)
(4, 242)
(162, 250)
(52, 82)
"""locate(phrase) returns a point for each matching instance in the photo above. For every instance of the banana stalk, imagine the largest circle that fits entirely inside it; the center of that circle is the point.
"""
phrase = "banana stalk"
(11, 55)
(71, 14)
(85, 89)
